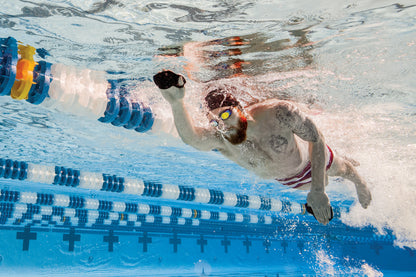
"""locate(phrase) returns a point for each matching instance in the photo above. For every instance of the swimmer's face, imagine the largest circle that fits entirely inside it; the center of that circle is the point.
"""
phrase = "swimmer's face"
(231, 122)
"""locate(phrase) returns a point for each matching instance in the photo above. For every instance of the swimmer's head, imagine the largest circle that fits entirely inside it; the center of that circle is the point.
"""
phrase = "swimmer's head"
(235, 131)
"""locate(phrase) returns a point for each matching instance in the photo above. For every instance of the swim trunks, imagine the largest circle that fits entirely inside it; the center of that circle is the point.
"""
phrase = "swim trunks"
(305, 177)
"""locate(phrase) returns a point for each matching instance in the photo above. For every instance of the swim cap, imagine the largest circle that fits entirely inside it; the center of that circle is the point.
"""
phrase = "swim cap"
(218, 98)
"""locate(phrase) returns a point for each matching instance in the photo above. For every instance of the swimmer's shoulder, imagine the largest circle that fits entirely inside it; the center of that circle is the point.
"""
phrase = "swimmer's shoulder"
(270, 106)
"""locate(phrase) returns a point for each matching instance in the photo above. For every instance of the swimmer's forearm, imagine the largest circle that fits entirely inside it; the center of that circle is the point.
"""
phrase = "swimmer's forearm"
(183, 122)
(318, 165)
(174, 95)
(172, 88)
(191, 135)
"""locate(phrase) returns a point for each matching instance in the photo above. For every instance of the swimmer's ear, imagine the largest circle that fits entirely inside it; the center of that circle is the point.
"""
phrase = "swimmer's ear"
(167, 78)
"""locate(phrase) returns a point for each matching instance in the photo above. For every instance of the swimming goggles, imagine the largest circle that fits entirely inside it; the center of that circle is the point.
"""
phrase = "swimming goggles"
(224, 115)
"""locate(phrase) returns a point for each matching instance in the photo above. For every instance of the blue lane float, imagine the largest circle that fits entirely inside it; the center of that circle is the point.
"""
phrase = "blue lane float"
(42, 79)
(8, 64)
(75, 178)
(72, 210)
(71, 89)
(22, 206)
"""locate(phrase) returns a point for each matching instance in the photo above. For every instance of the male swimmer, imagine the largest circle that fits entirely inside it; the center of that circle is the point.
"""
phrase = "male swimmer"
(273, 139)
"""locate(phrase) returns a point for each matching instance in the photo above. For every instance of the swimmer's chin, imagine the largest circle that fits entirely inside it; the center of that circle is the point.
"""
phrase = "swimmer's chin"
(237, 134)
(235, 137)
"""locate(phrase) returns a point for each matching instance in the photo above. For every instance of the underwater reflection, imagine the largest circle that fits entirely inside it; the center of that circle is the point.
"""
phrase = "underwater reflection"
(249, 55)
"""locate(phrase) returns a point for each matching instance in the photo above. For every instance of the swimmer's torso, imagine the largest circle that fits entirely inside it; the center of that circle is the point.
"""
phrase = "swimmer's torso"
(271, 150)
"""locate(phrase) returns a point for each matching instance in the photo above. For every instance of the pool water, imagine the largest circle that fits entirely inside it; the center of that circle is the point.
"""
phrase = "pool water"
(350, 64)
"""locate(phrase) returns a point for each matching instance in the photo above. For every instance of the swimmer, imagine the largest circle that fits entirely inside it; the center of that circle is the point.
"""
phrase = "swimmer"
(273, 139)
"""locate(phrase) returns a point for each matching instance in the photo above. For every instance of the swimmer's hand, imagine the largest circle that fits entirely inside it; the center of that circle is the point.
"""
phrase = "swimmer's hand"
(166, 79)
(319, 202)
(170, 84)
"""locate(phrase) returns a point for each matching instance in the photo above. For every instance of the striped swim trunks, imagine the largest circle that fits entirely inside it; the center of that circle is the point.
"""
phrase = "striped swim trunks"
(305, 177)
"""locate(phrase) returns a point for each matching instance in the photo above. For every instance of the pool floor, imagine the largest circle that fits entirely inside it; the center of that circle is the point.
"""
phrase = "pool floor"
(56, 244)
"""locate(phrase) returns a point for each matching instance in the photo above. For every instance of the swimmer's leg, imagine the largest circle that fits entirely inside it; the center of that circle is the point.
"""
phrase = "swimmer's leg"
(343, 167)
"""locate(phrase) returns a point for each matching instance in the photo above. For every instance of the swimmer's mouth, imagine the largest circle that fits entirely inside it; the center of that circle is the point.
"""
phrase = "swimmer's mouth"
(235, 135)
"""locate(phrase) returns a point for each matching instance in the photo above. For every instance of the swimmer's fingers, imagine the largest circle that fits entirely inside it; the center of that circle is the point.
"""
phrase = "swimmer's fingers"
(319, 203)
(327, 214)
(322, 216)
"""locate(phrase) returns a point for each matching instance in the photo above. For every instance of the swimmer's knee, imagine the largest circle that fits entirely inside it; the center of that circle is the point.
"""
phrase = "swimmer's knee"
(352, 161)
(340, 167)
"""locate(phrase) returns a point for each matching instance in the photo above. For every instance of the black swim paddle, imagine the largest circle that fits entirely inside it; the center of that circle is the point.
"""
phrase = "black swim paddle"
(309, 210)
(166, 79)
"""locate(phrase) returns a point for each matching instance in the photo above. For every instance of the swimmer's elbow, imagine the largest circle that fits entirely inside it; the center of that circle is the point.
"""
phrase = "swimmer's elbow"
(199, 138)
(188, 141)
(196, 143)
(203, 148)
(317, 141)
(205, 145)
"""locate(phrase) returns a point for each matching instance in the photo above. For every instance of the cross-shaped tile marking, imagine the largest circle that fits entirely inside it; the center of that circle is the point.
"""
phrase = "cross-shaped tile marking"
(175, 241)
(284, 244)
(71, 238)
(111, 239)
(225, 242)
(26, 236)
(267, 244)
(202, 242)
(247, 244)
(145, 240)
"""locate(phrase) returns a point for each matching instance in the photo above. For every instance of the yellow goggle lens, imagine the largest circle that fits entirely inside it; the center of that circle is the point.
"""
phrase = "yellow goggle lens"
(225, 114)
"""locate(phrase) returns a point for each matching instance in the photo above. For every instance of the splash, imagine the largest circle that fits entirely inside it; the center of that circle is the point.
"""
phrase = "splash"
(329, 265)
(378, 136)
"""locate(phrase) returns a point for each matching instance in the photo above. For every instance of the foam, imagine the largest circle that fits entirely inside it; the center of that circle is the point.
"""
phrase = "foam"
(372, 136)
(328, 265)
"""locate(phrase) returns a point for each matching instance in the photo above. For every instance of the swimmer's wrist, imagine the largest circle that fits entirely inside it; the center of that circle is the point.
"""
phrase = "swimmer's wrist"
(317, 191)
(318, 188)
(177, 102)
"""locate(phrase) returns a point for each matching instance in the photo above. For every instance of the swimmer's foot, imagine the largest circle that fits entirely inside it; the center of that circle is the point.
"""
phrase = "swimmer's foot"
(364, 195)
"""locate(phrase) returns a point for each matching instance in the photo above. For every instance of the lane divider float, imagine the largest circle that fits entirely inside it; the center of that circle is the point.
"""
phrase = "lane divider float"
(69, 177)
(66, 88)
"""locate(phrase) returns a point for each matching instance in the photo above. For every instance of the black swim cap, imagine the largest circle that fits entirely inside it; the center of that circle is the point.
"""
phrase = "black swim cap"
(220, 98)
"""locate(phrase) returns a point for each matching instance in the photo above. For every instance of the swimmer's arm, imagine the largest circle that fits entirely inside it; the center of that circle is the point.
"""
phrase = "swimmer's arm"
(305, 128)
(308, 131)
(201, 138)
(301, 125)
(172, 87)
